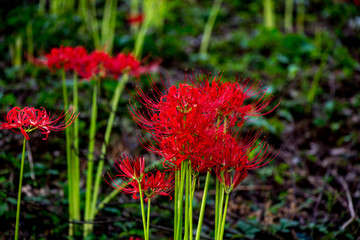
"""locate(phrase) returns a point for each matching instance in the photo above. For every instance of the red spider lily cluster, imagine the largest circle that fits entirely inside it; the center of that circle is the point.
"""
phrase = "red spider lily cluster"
(131, 172)
(95, 64)
(200, 122)
(28, 119)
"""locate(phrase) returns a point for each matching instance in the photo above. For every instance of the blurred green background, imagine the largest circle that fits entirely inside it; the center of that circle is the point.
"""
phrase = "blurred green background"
(306, 53)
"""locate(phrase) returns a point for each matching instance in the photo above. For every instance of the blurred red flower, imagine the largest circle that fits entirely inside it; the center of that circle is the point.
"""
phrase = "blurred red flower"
(135, 19)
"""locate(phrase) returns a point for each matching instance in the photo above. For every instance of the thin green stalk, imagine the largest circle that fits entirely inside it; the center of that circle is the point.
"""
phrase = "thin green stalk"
(148, 219)
(180, 202)
(269, 16)
(134, 10)
(209, 27)
(75, 155)
(18, 51)
(30, 41)
(41, 8)
(221, 203)
(315, 83)
(91, 156)
(108, 24)
(142, 211)
(106, 200)
(19, 191)
(187, 195)
(221, 236)
(68, 158)
(142, 32)
(191, 197)
(300, 16)
(175, 203)
(93, 23)
(289, 7)
(202, 209)
(217, 190)
(115, 101)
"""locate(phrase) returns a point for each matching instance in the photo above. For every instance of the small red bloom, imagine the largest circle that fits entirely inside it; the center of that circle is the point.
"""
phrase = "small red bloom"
(29, 119)
(158, 184)
(121, 63)
(131, 173)
(135, 19)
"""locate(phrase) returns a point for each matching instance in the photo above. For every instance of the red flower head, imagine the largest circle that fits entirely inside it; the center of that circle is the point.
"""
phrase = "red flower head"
(29, 119)
(158, 184)
(130, 167)
(122, 62)
(131, 173)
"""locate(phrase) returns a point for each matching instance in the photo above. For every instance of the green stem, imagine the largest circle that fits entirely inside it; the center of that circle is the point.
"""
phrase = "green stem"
(289, 7)
(187, 195)
(134, 10)
(300, 16)
(221, 203)
(180, 202)
(68, 157)
(216, 205)
(148, 219)
(142, 211)
(269, 18)
(209, 26)
(142, 32)
(224, 218)
(115, 101)
(19, 191)
(108, 24)
(75, 154)
(202, 209)
(191, 197)
(94, 23)
(176, 199)
(91, 156)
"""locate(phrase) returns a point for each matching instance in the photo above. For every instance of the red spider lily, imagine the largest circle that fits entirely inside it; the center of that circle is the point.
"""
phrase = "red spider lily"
(131, 172)
(240, 99)
(130, 167)
(135, 19)
(158, 184)
(122, 62)
(29, 119)
(93, 65)
(65, 57)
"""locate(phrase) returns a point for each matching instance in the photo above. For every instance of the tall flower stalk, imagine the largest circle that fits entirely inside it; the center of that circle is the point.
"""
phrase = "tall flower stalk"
(114, 103)
(209, 26)
(269, 14)
(26, 120)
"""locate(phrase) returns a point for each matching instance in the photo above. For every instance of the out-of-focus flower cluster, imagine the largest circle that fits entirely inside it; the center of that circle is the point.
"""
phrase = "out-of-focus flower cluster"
(29, 119)
(131, 174)
(200, 122)
(94, 64)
